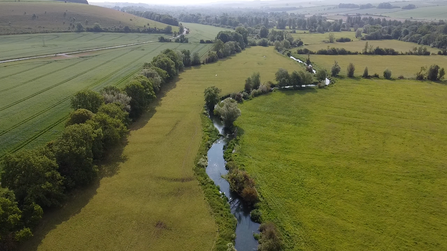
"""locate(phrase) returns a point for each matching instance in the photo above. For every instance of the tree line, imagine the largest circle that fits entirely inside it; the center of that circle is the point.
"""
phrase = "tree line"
(35, 180)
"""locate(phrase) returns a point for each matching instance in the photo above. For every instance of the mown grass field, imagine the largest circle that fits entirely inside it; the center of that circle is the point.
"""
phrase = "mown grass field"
(205, 32)
(17, 17)
(358, 166)
(404, 65)
(36, 94)
(425, 13)
(153, 201)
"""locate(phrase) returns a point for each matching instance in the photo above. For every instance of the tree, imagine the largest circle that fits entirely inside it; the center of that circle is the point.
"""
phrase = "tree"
(211, 97)
(186, 58)
(351, 70)
(114, 95)
(248, 85)
(441, 74)
(228, 112)
(321, 75)
(263, 32)
(307, 78)
(97, 27)
(282, 77)
(163, 62)
(331, 38)
(88, 99)
(12, 229)
(79, 116)
(387, 74)
(75, 150)
(255, 80)
(139, 98)
(295, 79)
(435, 73)
(335, 70)
(113, 128)
(33, 177)
(195, 59)
(79, 27)
(365, 73)
(358, 33)
(270, 238)
(114, 110)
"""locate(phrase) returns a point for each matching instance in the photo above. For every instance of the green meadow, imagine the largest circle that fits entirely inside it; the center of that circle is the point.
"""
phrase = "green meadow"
(356, 166)
(36, 93)
(152, 200)
(405, 65)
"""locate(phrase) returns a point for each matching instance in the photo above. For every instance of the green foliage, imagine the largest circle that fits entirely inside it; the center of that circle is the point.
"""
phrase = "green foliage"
(114, 110)
(256, 215)
(365, 73)
(114, 95)
(295, 79)
(282, 77)
(33, 177)
(79, 27)
(435, 73)
(331, 38)
(79, 116)
(321, 75)
(256, 80)
(113, 129)
(211, 97)
(307, 78)
(228, 112)
(270, 238)
(244, 185)
(350, 70)
(195, 59)
(74, 151)
(335, 70)
(165, 63)
(386, 74)
(141, 93)
(87, 99)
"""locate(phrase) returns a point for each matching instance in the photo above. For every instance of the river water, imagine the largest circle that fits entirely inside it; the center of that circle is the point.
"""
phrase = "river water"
(215, 170)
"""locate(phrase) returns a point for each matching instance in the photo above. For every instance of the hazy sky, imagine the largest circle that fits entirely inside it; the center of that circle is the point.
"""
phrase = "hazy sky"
(165, 2)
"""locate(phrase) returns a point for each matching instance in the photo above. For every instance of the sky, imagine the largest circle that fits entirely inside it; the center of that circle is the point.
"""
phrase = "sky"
(165, 2)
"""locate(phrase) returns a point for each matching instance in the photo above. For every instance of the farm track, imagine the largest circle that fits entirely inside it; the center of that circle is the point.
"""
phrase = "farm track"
(39, 77)
(65, 99)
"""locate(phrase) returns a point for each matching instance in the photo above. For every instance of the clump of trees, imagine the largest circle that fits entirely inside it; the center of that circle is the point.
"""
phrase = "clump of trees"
(212, 97)
(434, 73)
(228, 111)
(270, 239)
(35, 180)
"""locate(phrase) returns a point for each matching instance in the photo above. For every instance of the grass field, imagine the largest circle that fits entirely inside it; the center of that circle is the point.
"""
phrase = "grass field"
(122, 212)
(425, 13)
(36, 94)
(17, 17)
(205, 32)
(358, 166)
(399, 65)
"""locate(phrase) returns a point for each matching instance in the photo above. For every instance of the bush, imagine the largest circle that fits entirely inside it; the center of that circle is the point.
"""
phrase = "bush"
(88, 99)
(321, 75)
(79, 116)
(256, 216)
(365, 73)
(387, 74)
(270, 239)
(228, 112)
(335, 69)
(282, 77)
(351, 69)
(211, 97)
(244, 185)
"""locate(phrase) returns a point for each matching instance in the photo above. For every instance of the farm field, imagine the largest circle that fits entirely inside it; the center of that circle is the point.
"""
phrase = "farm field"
(36, 93)
(153, 200)
(425, 13)
(405, 65)
(357, 166)
(17, 17)
(205, 32)
(16, 46)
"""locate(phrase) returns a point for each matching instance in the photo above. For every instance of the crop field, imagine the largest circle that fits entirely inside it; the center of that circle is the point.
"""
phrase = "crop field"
(153, 200)
(428, 13)
(205, 32)
(405, 65)
(357, 166)
(36, 93)
(18, 17)
(16, 46)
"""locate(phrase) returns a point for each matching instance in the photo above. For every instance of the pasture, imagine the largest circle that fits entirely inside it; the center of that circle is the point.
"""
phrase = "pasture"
(357, 166)
(36, 93)
(153, 200)
(43, 17)
(405, 65)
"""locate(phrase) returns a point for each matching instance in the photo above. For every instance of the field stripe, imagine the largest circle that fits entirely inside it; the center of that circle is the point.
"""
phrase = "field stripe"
(21, 72)
(41, 76)
(20, 146)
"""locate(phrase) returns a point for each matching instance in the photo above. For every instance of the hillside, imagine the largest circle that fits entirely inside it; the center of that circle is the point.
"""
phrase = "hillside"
(39, 17)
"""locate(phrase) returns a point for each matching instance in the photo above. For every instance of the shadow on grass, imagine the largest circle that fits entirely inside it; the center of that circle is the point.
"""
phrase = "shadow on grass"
(299, 91)
(142, 121)
(76, 199)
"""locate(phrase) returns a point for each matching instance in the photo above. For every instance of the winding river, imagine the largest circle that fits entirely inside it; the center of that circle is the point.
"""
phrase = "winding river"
(215, 170)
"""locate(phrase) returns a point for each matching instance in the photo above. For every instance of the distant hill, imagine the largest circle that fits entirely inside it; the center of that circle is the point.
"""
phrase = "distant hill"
(38, 17)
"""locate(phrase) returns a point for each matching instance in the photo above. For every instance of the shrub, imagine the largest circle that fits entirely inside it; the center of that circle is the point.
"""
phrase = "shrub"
(88, 99)
(401, 77)
(270, 239)
(335, 69)
(321, 75)
(256, 215)
(432, 73)
(228, 112)
(387, 74)
(282, 77)
(79, 116)
(376, 75)
(351, 69)
(211, 97)
(365, 73)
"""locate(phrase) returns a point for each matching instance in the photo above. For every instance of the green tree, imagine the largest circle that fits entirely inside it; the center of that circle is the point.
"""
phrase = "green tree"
(255, 80)
(228, 112)
(88, 99)
(114, 95)
(186, 58)
(211, 97)
(263, 32)
(114, 110)
(79, 27)
(351, 69)
(335, 70)
(139, 98)
(163, 62)
(331, 38)
(295, 79)
(195, 59)
(387, 74)
(113, 129)
(321, 75)
(79, 116)
(282, 77)
(176, 57)
(248, 85)
(307, 78)
(33, 177)
(365, 73)
(97, 27)
(75, 150)
(12, 229)
(358, 33)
